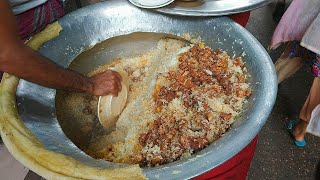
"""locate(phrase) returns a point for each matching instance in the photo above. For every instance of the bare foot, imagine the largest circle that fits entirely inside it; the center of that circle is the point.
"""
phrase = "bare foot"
(300, 130)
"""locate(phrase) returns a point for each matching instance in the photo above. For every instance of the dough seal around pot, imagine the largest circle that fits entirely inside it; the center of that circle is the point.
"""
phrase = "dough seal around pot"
(28, 150)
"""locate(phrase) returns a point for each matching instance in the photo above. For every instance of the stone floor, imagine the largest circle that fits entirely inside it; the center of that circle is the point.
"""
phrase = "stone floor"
(276, 157)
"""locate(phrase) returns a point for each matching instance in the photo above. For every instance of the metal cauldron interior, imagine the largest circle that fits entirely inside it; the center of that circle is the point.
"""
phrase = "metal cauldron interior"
(79, 122)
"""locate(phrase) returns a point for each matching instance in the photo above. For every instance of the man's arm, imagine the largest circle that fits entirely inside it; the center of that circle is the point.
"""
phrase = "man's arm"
(18, 59)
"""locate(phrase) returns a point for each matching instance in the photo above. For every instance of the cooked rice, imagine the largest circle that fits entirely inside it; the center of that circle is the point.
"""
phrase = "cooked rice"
(182, 98)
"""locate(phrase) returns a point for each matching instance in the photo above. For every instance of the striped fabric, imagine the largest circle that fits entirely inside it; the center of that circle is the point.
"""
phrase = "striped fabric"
(34, 20)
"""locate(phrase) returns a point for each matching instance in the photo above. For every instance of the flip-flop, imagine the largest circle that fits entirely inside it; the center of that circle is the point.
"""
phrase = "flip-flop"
(290, 124)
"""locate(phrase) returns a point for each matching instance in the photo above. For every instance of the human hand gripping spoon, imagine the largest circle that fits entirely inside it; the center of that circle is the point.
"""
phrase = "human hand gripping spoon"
(110, 106)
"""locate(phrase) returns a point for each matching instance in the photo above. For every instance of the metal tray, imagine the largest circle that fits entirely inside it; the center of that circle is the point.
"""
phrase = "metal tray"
(212, 7)
(136, 3)
(118, 22)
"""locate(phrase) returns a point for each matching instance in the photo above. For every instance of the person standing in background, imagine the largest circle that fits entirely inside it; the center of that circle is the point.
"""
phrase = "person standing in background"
(292, 28)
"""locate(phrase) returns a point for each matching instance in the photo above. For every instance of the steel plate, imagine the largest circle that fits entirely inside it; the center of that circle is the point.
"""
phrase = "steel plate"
(136, 3)
(212, 7)
(118, 22)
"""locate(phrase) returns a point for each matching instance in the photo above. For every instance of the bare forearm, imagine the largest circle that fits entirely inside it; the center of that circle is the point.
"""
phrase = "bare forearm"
(18, 59)
(29, 65)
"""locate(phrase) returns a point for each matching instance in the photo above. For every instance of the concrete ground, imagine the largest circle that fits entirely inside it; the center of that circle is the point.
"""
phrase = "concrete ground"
(276, 157)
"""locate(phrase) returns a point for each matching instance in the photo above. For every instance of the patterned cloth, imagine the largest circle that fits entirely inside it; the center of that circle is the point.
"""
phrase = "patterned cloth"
(295, 21)
(308, 56)
(35, 20)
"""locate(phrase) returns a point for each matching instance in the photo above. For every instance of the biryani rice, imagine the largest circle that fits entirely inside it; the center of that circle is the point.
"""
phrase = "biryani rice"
(181, 99)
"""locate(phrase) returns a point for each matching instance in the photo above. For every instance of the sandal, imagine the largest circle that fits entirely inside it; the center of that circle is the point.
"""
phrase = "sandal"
(290, 124)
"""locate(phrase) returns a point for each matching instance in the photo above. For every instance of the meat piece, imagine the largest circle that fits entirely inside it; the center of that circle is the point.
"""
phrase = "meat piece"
(210, 116)
(226, 116)
(143, 138)
(238, 62)
(224, 81)
(241, 78)
(242, 92)
(167, 94)
(218, 51)
(195, 50)
(184, 57)
(157, 160)
(198, 143)
(220, 66)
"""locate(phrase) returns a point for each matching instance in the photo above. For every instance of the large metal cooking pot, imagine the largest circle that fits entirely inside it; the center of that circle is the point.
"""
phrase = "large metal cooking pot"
(86, 27)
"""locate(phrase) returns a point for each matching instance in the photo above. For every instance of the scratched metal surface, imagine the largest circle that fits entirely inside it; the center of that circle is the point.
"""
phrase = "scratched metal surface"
(93, 24)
